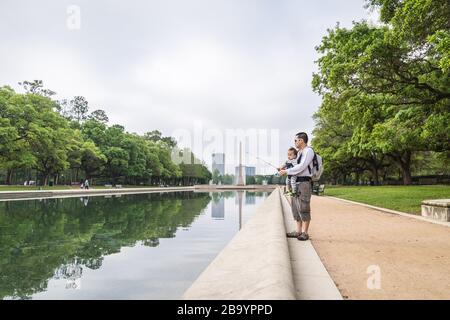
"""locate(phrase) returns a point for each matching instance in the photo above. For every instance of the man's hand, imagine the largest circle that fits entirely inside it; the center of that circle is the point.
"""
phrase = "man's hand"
(282, 172)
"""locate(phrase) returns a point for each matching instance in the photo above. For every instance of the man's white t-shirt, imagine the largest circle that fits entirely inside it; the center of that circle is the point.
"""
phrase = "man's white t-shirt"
(301, 169)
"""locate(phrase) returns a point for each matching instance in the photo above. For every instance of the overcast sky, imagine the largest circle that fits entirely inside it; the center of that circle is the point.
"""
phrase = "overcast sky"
(174, 64)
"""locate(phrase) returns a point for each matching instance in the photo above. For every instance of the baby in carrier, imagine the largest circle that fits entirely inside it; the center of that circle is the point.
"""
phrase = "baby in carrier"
(291, 181)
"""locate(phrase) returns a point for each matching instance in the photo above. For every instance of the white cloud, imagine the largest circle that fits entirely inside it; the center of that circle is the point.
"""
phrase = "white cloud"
(168, 64)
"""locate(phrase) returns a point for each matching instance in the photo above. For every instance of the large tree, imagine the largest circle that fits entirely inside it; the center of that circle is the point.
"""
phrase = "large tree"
(50, 139)
(390, 82)
(79, 108)
(194, 172)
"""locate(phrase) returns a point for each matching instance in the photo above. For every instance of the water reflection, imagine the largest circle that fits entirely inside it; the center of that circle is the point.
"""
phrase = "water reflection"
(84, 200)
(38, 237)
(218, 209)
(72, 273)
(50, 245)
(250, 198)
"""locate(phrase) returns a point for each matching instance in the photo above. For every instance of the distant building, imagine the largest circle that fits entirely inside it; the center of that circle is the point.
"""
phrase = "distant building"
(218, 163)
(250, 171)
(247, 172)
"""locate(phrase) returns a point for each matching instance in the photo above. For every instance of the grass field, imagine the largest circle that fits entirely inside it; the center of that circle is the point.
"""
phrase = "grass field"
(401, 198)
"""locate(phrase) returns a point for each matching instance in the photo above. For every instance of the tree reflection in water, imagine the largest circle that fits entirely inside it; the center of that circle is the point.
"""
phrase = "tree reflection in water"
(56, 238)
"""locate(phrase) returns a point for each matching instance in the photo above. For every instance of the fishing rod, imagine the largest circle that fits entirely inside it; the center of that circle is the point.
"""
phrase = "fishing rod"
(258, 158)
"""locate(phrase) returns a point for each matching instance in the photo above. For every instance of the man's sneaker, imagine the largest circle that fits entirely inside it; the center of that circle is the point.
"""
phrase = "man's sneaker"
(293, 234)
(303, 237)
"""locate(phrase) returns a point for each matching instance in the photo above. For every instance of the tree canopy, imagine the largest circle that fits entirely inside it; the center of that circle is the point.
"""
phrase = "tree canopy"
(385, 89)
(43, 139)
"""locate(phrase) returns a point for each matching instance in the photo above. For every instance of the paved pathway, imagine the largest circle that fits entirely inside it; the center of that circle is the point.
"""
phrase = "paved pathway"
(413, 256)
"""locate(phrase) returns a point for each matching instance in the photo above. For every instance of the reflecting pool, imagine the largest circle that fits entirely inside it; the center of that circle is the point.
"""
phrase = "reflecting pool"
(142, 246)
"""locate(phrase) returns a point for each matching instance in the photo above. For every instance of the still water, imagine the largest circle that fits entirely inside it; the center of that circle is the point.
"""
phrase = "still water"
(144, 246)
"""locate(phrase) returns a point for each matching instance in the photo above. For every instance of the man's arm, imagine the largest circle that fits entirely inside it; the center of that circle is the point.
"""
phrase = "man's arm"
(307, 158)
(283, 167)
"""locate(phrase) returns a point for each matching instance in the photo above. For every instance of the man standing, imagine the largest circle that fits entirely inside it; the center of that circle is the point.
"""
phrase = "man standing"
(301, 202)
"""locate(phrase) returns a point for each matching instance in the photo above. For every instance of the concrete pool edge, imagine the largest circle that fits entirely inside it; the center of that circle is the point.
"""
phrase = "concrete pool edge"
(255, 264)
(39, 194)
(64, 193)
(312, 280)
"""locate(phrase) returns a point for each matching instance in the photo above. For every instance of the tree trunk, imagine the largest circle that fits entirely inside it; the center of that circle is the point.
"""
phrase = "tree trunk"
(375, 176)
(45, 180)
(406, 173)
(8, 176)
(28, 175)
(404, 161)
(405, 166)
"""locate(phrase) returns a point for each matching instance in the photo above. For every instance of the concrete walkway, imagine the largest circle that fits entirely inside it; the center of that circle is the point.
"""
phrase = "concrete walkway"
(406, 215)
(217, 188)
(372, 254)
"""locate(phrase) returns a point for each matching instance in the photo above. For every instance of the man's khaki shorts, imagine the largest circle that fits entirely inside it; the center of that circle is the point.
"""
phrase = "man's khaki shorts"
(301, 203)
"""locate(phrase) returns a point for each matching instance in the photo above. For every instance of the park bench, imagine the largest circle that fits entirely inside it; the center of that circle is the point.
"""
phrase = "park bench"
(118, 186)
(318, 189)
(436, 209)
(108, 185)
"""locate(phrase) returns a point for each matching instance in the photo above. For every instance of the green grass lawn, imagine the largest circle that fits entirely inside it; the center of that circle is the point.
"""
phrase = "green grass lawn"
(401, 198)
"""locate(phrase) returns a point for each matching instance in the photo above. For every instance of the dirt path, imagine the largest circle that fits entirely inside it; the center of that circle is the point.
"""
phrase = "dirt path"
(413, 256)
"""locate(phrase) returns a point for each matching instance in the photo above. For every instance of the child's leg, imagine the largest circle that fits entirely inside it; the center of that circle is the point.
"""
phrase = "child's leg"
(294, 184)
(288, 184)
